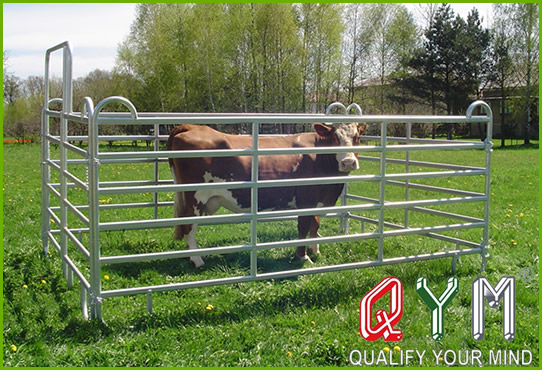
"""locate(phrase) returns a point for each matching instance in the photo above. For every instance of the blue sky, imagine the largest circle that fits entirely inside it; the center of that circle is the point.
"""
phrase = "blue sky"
(93, 30)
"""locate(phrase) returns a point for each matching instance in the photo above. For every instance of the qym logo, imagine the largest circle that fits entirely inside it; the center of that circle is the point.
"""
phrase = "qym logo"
(481, 290)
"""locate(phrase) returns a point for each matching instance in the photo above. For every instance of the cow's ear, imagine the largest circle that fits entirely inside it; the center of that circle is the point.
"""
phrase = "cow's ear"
(362, 127)
(323, 130)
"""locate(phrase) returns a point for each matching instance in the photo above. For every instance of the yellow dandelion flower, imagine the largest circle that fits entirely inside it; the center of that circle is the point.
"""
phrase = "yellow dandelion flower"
(13, 348)
(396, 348)
(25, 286)
(386, 349)
(43, 281)
(106, 277)
(289, 354)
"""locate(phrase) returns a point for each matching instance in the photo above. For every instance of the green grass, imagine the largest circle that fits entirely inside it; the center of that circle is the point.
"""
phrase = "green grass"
(303, 321)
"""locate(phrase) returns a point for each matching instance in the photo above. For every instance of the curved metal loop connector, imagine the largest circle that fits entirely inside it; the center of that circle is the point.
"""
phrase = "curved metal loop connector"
(116, 99)
(476, 104)
(54, 100)
(336, 105)
(487, 109)
(87, 109)
(356, 107)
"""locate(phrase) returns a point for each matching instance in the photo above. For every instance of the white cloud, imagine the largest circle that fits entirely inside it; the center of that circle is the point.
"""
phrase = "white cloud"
(93, 30)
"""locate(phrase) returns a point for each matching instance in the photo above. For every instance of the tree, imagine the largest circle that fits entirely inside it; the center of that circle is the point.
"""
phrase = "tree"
(452, 61)
(404, 34)
(322, 27)
(395, 33)
(502, 74)
(357, 42)
(525, 23)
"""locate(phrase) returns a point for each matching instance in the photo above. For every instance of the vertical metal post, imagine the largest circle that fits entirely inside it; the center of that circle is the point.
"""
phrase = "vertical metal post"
(94, 217)
(407, 169)
(488, 148)
(83, 300)
(344, 219)
(156, 148)
(66, 109)
(382, 192)
(149, 301)
(254, 200)
(45, 179)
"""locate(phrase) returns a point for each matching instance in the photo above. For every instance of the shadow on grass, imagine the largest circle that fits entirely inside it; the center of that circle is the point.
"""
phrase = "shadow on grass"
(518, 147)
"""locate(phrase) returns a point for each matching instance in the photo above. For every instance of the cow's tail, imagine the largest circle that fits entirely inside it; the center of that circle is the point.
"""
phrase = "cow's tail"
(179, 196)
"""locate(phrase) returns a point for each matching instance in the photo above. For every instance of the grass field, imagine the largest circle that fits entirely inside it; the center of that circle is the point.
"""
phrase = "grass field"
(303, 321)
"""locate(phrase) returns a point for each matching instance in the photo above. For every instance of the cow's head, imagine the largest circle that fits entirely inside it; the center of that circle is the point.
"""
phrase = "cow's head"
(343, 134)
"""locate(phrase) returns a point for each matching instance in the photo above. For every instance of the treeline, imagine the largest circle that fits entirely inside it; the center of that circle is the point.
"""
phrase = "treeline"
(301, 57)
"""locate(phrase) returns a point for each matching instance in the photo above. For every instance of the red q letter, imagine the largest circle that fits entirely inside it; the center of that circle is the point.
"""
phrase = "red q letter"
(386, 320)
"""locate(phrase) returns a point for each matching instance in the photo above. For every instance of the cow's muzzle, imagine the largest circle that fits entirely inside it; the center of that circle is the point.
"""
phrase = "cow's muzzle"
(349, 164)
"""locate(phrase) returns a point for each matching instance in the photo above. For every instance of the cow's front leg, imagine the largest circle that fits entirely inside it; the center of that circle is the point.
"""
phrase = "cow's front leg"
(314, 226)
(303, 226)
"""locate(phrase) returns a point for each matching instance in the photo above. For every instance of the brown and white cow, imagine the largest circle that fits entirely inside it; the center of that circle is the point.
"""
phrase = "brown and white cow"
(222, 169)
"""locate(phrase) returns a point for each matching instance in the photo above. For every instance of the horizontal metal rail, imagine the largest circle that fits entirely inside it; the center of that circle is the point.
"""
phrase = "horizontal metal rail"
(245, 217)
(430, 234)
(435, 212)
(123, 206)
(427, 175)
(274, 119)
(421, 163)
(285, 274)
(416, 140)
(283, 182)
(218, 219)
(435, 188)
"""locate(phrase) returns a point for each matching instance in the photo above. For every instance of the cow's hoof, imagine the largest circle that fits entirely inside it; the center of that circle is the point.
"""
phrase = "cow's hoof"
(197, 261)
(314, 249)
(304, 259)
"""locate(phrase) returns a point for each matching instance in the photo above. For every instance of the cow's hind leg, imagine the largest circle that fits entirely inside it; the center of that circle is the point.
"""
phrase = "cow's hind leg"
(303, 227)
(192, 243)
(184, 207)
